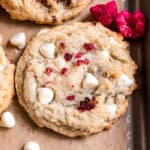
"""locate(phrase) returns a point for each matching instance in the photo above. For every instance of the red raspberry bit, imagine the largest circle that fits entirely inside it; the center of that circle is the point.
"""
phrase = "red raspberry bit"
(62, 45)
(64, 70)
(89, 46)
(35, 76)
(82, 62)
(79, 55)
(79, 62)
(70, 97)
(44, 2)
(87, 104)
(86, 61)
(48, 71)
(67, 56)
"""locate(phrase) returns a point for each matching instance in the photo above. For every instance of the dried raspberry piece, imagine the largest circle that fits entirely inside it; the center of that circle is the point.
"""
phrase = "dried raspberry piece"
(87, 104)
(44, 2)
(89, 46)
(35, 76)
(79, 55)
(86, 61)
(67, 56)
(48, 71)
(131, 26)
(64, 70)
(62, 45)
(70, 97)
(105, 13)
(81, 62)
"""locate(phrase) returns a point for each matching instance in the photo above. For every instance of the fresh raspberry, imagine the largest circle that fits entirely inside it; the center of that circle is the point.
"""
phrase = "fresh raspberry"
(131, 26)
(105, 13)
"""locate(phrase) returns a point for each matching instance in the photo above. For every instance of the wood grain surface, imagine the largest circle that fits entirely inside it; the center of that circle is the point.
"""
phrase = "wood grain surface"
(25, 129)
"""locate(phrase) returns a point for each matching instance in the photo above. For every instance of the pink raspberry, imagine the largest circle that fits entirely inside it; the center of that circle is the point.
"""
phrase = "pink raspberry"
(105, 13)
(131, 26)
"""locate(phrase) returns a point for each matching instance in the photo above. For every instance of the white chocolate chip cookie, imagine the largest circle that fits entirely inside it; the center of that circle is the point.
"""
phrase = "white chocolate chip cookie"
(6, 80)
(71, 81)
(44, 11)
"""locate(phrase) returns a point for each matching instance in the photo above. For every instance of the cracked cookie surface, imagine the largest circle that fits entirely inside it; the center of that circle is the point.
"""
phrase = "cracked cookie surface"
(75, 79)
(44, 11)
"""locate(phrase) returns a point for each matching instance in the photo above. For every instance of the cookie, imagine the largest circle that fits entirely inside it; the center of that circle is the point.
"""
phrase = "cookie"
(75, 79)
(44, 11)
(6, 80)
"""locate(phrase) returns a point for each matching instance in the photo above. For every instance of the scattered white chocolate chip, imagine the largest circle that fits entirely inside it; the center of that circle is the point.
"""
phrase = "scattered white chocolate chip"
(112, 109)
(31, 145)
(7, 120)
(42, 31)
(45, 95)
(104, 55)
(90, 81)
(124, 82)
(48, 50)
(19, 40)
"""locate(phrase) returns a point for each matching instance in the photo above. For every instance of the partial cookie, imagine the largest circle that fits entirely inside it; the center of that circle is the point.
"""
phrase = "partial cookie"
(6, 80)
(44, 11)
(75, 79)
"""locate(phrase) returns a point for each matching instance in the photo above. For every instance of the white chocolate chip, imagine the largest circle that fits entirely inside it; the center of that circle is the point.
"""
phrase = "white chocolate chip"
(90, 81)
(45, 95)
(7, 120)
(124, 82)
(42, 31)
(61, 62)
(31, 145)
(1, 68)
(30, 87)
(112, 109)
(104, 55)
(48, 50)
(19, 40)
